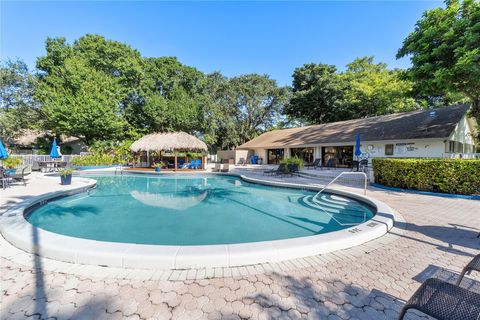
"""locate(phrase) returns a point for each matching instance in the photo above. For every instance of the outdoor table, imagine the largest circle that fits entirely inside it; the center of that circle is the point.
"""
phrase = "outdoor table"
(51, 165)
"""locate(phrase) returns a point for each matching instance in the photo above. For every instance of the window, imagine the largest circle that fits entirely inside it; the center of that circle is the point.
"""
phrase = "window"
(274, 156)
(304, 153)
(450, 146)
(389, 149)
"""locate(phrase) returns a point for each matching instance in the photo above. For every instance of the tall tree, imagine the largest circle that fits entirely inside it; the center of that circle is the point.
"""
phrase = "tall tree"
(85, 87)
(371, 89)
(317, 94)
(171, 97)
(321, 94)
(257, 102)
(444, 50)
(18, 108)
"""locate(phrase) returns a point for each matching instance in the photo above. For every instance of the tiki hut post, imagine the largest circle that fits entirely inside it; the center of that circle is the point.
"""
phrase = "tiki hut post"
(175, 152)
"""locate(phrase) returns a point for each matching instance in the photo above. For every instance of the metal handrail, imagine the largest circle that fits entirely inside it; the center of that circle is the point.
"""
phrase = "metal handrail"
(341, 174)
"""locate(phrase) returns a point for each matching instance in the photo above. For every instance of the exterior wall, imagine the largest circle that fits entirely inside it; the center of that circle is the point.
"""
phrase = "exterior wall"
(243, 153)
(427, 148)
(463, 133)
(225, 155)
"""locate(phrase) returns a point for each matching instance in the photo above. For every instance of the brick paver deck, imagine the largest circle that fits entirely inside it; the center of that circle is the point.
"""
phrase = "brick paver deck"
(372, 281)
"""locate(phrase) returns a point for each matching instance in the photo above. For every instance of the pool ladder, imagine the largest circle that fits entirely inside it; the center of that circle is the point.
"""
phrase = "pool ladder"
(119, 168)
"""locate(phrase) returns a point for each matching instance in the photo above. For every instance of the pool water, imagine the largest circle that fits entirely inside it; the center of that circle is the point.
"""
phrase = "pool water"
(195, 210)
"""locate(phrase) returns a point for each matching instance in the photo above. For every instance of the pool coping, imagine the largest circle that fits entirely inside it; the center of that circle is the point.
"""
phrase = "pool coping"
(19, 232)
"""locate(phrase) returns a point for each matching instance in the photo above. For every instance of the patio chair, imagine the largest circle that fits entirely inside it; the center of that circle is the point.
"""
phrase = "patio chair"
(35, 166)
(198, 164)
(444, 301)
(355, 165)
(314, 164)
(20, 176)
(473, 265)
(217, 168)
(331, 164)
(191, 165)
(4, 178)
(282, 170)
(293, 169)
(242, 162)
(226, 167)
(181, 163)
(273, 171)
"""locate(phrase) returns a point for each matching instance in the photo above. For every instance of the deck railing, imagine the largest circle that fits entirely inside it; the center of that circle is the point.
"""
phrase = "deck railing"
(462, 155)
(29, 159)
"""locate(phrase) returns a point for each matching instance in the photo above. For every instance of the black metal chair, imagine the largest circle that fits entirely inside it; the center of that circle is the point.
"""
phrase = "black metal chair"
(4, 178)
(473, 265)
(282, 169)
(444, 301)
(293, 169)
(314, 164)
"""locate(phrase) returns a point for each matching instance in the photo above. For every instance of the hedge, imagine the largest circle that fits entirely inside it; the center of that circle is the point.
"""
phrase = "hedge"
(459, 176)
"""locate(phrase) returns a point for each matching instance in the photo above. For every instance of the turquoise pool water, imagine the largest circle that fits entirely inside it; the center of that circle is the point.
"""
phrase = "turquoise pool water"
(194, 210)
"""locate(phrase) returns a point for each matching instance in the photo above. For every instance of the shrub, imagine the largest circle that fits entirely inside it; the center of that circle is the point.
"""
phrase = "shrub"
(294, 160)
(458, 176)
(11, 162)
(95, 159)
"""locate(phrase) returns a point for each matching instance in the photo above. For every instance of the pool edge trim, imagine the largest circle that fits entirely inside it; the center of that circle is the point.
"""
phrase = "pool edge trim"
(18, 231)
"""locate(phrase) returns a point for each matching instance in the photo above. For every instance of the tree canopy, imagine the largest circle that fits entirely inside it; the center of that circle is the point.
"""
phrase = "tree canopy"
(444, 50)
(322, 94)
(18, 108)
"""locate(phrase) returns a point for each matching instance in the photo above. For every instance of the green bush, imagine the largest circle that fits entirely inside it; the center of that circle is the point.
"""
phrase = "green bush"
(11, 162)
(458, 176)
(96, 159)
(294, 160)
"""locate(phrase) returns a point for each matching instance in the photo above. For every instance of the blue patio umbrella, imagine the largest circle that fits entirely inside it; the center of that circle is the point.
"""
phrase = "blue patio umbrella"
(54, 152)
(3, 151)
(358, 152)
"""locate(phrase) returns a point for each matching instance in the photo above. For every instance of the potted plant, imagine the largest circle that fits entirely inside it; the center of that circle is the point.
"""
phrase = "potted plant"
(158, 166)
(65, 176)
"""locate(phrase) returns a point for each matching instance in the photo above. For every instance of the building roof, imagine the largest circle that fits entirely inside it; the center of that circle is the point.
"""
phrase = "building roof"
(29, 137)
(421, 124)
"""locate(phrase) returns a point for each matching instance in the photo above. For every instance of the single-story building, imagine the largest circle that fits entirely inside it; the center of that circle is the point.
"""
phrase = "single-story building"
(430, 133)
(30, 141)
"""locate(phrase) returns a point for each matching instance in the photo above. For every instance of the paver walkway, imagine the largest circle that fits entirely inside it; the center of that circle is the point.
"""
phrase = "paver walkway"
(371, 281)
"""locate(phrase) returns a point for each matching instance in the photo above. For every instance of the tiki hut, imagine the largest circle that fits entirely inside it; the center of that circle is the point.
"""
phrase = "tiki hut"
(169, 143)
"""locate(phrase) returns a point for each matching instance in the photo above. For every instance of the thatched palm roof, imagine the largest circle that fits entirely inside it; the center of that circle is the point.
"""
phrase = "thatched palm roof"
(168, 141)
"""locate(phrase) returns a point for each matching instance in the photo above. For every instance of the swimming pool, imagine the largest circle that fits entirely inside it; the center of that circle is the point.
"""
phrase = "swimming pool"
(185, 210)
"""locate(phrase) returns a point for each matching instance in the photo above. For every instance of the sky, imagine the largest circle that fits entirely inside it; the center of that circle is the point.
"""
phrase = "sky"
(234, 38)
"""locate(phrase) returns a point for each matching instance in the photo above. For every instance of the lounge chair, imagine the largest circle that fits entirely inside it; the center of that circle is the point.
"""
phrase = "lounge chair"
(191, 165)
(273, 171)
(443, 300)
(314, 164)
(226, 167)
(473, 265)
(293, 169)
(21, 176)
(217, 168)
(198, 164)
(181, 163)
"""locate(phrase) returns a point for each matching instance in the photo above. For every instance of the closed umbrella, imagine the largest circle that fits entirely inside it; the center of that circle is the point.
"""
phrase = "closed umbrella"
(54, 151)
(358, 152)
(3, 151)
